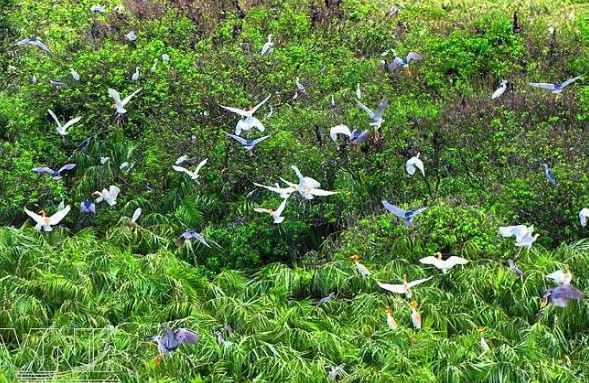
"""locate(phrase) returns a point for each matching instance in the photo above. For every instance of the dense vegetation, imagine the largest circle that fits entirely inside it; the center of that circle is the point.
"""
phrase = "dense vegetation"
(483, 170)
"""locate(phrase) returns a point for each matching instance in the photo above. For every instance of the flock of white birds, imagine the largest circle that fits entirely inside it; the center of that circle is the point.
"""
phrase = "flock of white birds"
(309, 188)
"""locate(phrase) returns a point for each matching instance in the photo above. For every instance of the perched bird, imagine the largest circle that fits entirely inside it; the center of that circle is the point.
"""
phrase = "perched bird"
(549, 175)
(522, 233)
(356, 136)
(415, 316)
(165, 57)
(406, 215)
(404, 288)
(120, 104)
(108, 195)
(104, 160)
(58, 83)
(283, 192)
(376, 118)
(514, 269)
(399, 62)
(87, 207)
(561, 277)
(482, 342)
(499, 92)
(555, 88)
(414, 162)
(62, 129)
(193, 175)
(56, 174)
(275, 214)
(97, 9)
(583, 214)
(75, 75)
(135, 75)
(247, 121)
(300, 89)
(326, 299)
(363, 270)
(358, 91)
(191, 234)
(171, 340)
(334, 372)
(34, 42)
(136, 215)
(309, 187)
(268, 46)
(131, 36)
(390, 320)
(44, 222)
(561, 295)
(247, 144)
(441, 264)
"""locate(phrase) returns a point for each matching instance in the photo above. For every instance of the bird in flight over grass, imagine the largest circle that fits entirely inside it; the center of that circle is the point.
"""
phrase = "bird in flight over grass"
(561, 277)
(171, 340)
(247, 121)
(355, 136)
(555, 88)
(55, 174)
(499, 92)
(413, 163)
(33, 41)
(193, 175)
(561, 295)
(247, 144)
(108, 195)
(283, 192)
(44, 222)
(120, 104)
(403, 288)
(63, 129)
(522, 233)
(275, 214)
(406, 215)
(191, 234)
(309, 187)
(442, 264)
(399, 62)
(376, 118)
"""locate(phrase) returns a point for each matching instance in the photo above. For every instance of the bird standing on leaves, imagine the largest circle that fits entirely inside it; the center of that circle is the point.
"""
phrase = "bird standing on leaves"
(363, 270)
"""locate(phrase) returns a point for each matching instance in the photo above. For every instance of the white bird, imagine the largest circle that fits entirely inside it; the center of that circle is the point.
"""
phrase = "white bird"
(376, 118)
(415, 316)
(268, 46)
(300, 89)
(181, 159)
(363, 270)
(583, 214)
(193, 175)
(135, 75)
(555, 88)
(502, 88)
(334, 372)
(248, 120)
(104, 160)
(404, 288)
(561, 277)
(108, 195)
(34, 42)
(136, 215)
(131, 36)
(75, 75)
(44, 222)
(356, 136)
(390, 320)
(120, 104)
(442, 264)
(522, 233)
(283, 192)
(412, 163)
(309, 187)
(62, 129)
(97, 9)
(358, 91)
(165, 57)
(275, 214)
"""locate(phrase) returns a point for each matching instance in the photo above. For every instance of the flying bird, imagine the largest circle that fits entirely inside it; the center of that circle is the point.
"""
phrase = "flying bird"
(561, 295)
(247, 121)
(247, 144)
(63, 129)
(171, 340)
(406, 215)
(275, 214)
(191, 234)
(55, 174)
(413, 163)
(583, 214)
(442, 264)
(562, 277)
(44, 222)
(268, 46)
(399, 62)
(522, 233)
(87, 207)
(108, 195)
(193, 175)
(404, 288)
(376, 118)
(309, 187)
(356, 136)
(363, 270)
(499, 92)
(34, 42)
(555, 88)
(283, 192)
(120, 104)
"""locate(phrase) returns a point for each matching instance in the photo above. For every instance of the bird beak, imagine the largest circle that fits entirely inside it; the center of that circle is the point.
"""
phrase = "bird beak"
(543, 303)
(42, 213)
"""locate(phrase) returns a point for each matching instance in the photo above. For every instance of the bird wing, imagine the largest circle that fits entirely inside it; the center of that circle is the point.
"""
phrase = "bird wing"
(241, 140)
(557, 276)
(182, 169)
(271, 188)
(414, 56)
(241, 112)
(136, 215)
(114, 191)
(116, 97)
(453, 261)
(544, 85)
(200, 165)
(339, 129)
(71, 122)
(570, 81)
(509, 231)
(253, 110)
(397, 289)
(394, 209)
(568, 292)
(258, 140)
(369, 112)
(397, 62)
(36, 217)
(66, 167)
(419, 211)
(129, 97)
(360, 136)
(261, 210)
(434, 261)
(311, 182)
(22, 42)
(186, 336)
(57, 217)
(280, 209)
(498, 92)
(42, 170)
(322, 193)
(298, 172)
(418, 281)
(40, 44)
(55, 118)
(381, 107)
(583, 214)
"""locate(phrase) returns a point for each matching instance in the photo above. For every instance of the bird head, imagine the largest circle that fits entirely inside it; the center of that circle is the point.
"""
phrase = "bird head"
(481, 330)
(42, 213)
(413, 305)
(388, 309)
(97, 194)
(355, 257)
(439, 255)
(404, 278)
(543, 302)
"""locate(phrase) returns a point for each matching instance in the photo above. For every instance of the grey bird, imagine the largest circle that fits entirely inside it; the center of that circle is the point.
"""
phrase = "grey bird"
(514, 269)
(561, 295)
(399, 62)
(325, 299)
(549, 175)
(247, 144)
(56, 174)
(34, 42)
(171, 340)
(406, 215)
(555, 88)
(191, 234)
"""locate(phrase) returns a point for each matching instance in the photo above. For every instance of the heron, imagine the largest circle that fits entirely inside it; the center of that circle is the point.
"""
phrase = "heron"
(403, 288)
(499, 92)
(247, 121)
(43, 222)
(171, 340)
(441, 264)
(247, 144)
(406, 215)
(55, 174)
(63, 129)
(413, 163)
(193, 174)
(275, 214)
(120, 104)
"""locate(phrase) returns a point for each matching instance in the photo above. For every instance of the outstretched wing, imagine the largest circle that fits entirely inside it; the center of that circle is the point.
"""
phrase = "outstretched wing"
(43, 170)
(396, 63)
(434, 261)
(36, 217)
(253, 110)
(241, 112)
(200, 165)
(281, 207)
(116, 97)
(55, 118)
(394, 209)
(397, 289)
(339, 129)
(57, 217)
(181, 169)
(241, 140)
(570, 81)
(381, 107)
(257, 141)
(453, 261)
(418, 282)
(509, 231)
(129, 97)
(322, 193)
(369, 112)
(544, 85)
(186, 336)
(414, 56)
(66, 167)
(71, 122)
